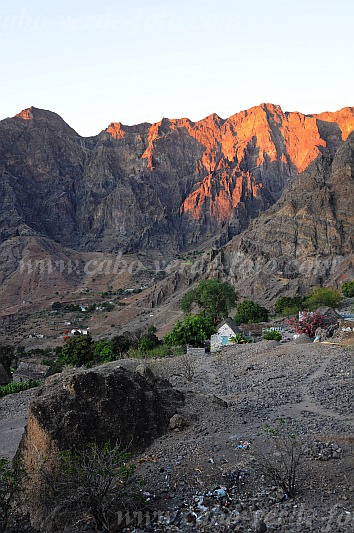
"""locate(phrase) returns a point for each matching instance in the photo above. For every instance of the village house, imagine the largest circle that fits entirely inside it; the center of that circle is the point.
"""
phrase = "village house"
(79, 331)
(225, 330)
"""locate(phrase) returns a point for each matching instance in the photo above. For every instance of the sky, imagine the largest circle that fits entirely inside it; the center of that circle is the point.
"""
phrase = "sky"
(107, 61)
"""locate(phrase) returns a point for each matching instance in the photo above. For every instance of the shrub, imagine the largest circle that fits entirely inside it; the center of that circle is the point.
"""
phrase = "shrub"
(120, 345)
(279, 458)
(78, 351)
(286, 303)
(10, 487)
(348, 289)
(271, 335)
(94, 483)
(12, 388)
(185, 366)
(323, 296)
(250, 312)
(240, 339)
(149, 341)
(7, 356)
(307, 324)
(103, 352)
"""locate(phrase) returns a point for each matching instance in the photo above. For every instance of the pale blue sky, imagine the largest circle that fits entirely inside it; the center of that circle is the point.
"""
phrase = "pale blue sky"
(105, 61)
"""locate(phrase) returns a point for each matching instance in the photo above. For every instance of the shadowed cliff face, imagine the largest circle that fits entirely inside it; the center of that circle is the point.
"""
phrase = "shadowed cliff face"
(168, 186)
(305, 239)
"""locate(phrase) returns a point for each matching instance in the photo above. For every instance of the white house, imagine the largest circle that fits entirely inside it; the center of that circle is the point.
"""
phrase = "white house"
(79, 331)
(226, 329)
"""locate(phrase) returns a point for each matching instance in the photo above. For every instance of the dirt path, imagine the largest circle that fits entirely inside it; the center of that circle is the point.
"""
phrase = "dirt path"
(308, 403)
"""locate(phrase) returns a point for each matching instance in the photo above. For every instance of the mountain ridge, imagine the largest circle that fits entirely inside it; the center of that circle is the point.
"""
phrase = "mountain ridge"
(209, 178)
(163, 188)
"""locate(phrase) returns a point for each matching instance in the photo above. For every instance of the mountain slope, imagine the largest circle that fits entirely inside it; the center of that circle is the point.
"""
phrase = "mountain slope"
(169, 186)
(306, 238)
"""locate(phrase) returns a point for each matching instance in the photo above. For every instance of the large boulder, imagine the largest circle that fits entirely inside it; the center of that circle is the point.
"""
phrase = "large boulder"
(104, 404)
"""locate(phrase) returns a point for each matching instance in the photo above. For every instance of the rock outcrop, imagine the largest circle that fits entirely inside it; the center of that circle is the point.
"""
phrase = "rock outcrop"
(106, 404)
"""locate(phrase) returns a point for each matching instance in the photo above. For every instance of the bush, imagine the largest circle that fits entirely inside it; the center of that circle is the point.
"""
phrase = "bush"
(120, 345)
(7, 356)
(348, 289)
(12, 388)
(93, 483)
(250, 312)
(156, 353)
(272, 335)
(149, 341)
(78, 351)
(10, 487)
(323, 296)
(240, 339)
(307, 324)
(279, 458)
(284, 304)
(103, 352)
(194, 330)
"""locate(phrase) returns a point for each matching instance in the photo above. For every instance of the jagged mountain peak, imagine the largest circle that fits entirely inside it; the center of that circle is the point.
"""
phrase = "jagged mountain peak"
(304, 239)
(174, 183)
(38, 117)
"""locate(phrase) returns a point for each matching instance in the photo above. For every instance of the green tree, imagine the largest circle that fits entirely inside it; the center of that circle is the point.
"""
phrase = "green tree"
(188, 300)
(194, 330)
(7, 356)
(103, 351)
(323, 296)
(214, 298)
(289, 305)
(149, 341)
(250, 312)
(78, 351)
(120, 345)
(348, 289)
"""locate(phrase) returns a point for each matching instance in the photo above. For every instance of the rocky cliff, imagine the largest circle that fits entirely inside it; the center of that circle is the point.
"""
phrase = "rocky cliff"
(305, 239)
(157, 188)
(171, 185)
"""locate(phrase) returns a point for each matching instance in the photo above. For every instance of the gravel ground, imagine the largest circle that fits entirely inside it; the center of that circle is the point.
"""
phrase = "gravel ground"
(13, 418)
(205, 474)
(230, 399)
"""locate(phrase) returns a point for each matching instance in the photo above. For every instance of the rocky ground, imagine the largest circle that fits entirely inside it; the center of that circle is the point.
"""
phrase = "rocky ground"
(206, 473)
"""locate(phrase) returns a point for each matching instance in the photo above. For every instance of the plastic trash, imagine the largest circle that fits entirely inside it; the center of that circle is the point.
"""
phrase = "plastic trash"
(220, 493)
(244, 445)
